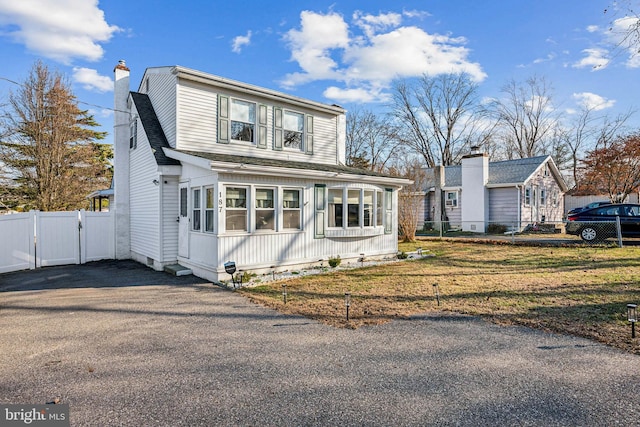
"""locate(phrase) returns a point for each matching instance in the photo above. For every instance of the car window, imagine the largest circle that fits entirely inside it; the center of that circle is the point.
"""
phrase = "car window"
(632, 210)
(607, 211)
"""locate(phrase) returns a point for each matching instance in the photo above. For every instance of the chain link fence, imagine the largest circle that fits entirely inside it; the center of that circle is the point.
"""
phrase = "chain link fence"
(570, 232)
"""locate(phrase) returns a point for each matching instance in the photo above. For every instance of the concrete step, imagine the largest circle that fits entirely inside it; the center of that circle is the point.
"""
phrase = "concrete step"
(178, 270)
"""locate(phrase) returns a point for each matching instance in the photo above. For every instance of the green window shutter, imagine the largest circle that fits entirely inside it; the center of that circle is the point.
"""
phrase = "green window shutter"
(308, 146)
(388, 208)
(262, 126)
(223, 119)
(320, 203)
(277, 129)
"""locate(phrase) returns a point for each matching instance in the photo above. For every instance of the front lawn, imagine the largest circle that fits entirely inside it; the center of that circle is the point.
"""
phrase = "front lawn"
(577, 290)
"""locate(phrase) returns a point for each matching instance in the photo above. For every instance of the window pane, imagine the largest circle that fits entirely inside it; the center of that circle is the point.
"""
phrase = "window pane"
(335, 208)
(291, 219)
(208, 218)
(264, 198)
(354, 208)
(236, 197)
(291, 199)
(243, 111)
(264, 219)
(293, 121)
(236, 220)
(209, 197)
(292, 139)
(241, 131)
(368, 208)
(379, 200)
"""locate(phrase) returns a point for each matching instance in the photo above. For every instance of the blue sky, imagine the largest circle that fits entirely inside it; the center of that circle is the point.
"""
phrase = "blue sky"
(341, 52)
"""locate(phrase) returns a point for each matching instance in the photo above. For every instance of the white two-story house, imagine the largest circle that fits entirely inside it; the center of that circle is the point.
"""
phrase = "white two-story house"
(210, 170)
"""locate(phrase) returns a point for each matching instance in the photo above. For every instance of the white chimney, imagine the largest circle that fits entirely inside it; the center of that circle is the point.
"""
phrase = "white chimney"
(475, 196)
(121, 131)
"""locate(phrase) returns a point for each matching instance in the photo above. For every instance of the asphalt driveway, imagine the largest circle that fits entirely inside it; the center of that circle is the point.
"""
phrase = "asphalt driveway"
(124, 345)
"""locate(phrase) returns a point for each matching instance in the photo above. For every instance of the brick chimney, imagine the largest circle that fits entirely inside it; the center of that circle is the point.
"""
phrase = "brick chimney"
(475, 197)
(121, 119)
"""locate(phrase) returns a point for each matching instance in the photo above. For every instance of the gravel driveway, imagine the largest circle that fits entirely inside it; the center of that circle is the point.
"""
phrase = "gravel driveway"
(124, 345)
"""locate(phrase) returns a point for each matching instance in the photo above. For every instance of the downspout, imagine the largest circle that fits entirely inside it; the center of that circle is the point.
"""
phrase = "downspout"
(519, 207)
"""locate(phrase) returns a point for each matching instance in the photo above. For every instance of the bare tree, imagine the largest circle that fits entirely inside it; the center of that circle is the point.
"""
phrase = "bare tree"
(410, 198)
(439, 116)
(48, 148)
(525, 116)
(371, 140)
(624, 26)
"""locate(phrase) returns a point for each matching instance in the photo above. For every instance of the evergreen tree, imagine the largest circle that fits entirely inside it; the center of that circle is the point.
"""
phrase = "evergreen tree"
(49, 153)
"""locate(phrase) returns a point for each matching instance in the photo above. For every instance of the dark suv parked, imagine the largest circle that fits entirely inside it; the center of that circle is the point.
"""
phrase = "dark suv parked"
(600, 223)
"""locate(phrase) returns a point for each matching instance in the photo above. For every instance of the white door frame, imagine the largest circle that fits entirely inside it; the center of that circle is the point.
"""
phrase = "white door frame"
(184, 221)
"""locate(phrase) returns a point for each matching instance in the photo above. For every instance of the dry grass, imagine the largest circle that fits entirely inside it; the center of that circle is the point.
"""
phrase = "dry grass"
(576, 290)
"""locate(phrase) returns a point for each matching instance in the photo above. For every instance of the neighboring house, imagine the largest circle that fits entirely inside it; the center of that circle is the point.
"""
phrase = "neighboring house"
(577, 198)
(514, 193)
(210, 170)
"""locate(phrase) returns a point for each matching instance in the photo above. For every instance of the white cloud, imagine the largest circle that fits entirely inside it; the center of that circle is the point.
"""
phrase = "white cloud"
(595, 58)
(592, 101)
(623, 34)
(371, 24)
(61, 30)
(593, 28)
(326, 48)
(240, 41)
(91, 80)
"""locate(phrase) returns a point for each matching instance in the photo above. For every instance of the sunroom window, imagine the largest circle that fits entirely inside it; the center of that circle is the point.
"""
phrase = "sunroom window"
(196, 211)
(236, 209)
(243, 120)
(367, 206)
(335, 208)
(291, 209)
(209, 207)
(353, 206)
(265, 214)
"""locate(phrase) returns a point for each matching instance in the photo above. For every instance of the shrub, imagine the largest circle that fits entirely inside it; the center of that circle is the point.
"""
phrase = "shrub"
(335, 261)
(402, 255)
(496, 229)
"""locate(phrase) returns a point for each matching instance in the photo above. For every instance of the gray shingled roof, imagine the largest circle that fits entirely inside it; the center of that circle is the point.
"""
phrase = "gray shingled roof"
(503, 172)
(152, 128)
(231, 158)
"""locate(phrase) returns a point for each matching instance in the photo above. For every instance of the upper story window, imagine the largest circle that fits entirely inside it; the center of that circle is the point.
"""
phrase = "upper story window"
(133, 135)
(293, 130)
(243, 120)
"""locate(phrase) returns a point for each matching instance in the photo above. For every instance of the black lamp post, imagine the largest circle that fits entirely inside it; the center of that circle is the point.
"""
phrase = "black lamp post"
(632, 317)
(347, 303)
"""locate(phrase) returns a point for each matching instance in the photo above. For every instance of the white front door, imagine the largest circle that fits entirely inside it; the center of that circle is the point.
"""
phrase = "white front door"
(183, 219)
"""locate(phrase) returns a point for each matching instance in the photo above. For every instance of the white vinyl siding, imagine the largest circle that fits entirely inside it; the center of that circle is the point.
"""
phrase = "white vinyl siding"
(144, 200)
(170, 208)
(503, 205)
(162, 93)
(197, 117)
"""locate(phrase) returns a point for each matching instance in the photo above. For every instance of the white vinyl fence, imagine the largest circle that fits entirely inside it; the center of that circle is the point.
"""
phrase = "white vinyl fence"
(40, 239)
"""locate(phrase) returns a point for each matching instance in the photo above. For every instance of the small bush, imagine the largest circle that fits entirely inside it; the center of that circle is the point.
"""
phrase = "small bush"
(334, 262)
(496, 229)
(402, 255)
